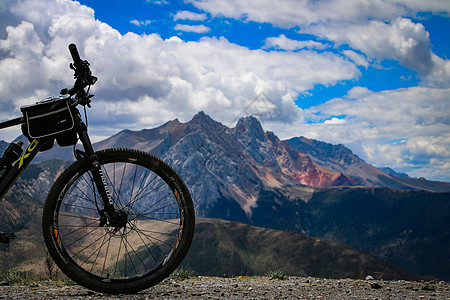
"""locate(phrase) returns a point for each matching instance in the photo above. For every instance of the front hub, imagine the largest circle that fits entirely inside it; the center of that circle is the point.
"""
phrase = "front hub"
(120, 221)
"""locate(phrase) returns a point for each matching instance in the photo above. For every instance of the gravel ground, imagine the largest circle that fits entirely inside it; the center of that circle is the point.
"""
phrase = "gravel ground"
(244, 288)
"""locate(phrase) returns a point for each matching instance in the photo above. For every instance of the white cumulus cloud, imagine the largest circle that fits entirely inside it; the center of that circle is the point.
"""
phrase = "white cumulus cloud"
(402, 40)
(358, 59)
(192, 28)
(189, 15)
(141, 23)
(282, 42)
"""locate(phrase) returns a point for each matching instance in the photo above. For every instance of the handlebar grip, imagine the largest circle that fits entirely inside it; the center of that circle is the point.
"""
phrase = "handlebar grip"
(74, 52)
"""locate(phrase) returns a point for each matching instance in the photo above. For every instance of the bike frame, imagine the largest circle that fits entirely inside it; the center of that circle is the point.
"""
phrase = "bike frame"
(32, 150)
(20, 165)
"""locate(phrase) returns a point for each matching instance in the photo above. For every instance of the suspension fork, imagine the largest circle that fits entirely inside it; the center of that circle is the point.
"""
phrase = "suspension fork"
(97, 175)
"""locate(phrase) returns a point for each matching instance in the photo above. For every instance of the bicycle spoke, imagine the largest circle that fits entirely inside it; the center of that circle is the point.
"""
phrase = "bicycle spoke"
(85, 198)
(135, 198)
(106, 256)
(79, 206)
(159, 232)
(121, 180)
(146, 246)
(87, 258)
(134, 179)
(155, 189)
(159, 220)
(82, 237)
(77, 216)
(90, 185)
(169, 215)
(129, 256)
(118, 255)
(157, 202)
(80, 227)
(98, 252)
(160, 208)
(140, 189)
(150, 239)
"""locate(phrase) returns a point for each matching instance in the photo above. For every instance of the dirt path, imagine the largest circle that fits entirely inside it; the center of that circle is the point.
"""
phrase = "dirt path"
(245, 288)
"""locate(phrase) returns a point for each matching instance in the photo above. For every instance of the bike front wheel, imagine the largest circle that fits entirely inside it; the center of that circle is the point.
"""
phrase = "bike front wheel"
(156, 237)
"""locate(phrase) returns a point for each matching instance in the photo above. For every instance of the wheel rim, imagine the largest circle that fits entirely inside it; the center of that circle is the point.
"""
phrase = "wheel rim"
(149, 237)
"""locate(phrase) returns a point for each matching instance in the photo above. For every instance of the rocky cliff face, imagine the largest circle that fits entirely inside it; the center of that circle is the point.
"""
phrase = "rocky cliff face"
(341, 159)
(229, 164)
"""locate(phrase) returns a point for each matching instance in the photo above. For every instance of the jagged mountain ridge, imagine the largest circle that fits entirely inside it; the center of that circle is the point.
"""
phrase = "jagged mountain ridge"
(236, 163)
(341, 159)
(298, 160)
(393, 173)
(338, 158)
(218, 162)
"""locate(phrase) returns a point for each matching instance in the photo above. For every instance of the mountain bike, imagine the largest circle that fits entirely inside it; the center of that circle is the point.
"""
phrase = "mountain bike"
(116, 220)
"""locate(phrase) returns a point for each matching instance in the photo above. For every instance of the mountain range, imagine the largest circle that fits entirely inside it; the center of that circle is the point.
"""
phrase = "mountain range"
(252, 152)
(302, 185)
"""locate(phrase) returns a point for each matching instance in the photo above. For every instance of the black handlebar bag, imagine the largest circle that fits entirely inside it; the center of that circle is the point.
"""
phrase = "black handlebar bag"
(49, 120)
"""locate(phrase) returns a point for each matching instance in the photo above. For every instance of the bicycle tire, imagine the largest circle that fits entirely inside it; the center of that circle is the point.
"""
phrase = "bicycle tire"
(157, 236)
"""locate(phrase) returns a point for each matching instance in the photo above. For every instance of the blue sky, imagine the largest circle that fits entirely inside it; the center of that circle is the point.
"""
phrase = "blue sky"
(372, 75)
(145, 17)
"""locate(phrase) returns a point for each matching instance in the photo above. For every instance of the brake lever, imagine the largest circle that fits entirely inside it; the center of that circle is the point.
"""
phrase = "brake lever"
(93, 80)
(88, 100)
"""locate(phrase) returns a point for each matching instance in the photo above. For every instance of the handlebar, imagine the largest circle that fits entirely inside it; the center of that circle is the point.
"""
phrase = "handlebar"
(74, 52)
(83, 76)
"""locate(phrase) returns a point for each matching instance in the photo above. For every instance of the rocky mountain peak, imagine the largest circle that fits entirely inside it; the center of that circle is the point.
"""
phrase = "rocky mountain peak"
(393, 173)
(251, 127)
(202, 119)
(205, 123)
